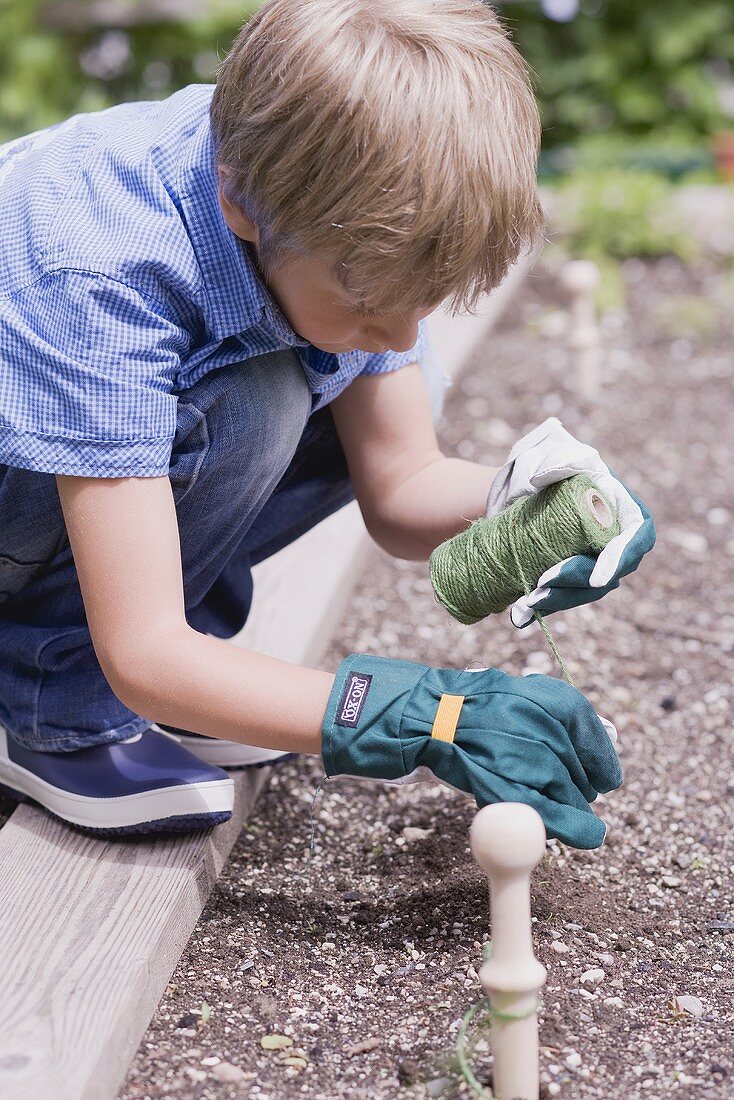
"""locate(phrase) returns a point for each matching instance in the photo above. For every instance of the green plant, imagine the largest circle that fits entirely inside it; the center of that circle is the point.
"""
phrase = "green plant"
(644, 71)
(620, 213)
(56, 60)
(686, 316)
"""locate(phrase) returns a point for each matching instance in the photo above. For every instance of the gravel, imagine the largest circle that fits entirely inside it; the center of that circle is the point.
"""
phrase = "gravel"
(364, 955)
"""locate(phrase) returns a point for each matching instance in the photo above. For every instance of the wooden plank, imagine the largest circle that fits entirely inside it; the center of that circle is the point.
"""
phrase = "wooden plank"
(91, 930)
(456, 338)
(304, 587)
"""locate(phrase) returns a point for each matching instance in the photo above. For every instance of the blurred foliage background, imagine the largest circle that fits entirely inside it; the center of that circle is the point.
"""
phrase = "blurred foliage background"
(635, 96)
(644, 83)
(58, 57)
(621, 81)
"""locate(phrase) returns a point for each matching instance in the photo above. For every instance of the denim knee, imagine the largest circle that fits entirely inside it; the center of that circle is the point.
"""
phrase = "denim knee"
(238, 430)
(238, 425)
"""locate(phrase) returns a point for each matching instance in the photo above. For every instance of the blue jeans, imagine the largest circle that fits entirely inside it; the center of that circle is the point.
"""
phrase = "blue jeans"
(251, 469)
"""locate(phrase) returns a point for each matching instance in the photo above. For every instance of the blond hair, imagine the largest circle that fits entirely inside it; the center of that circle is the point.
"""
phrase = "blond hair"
(398, 138)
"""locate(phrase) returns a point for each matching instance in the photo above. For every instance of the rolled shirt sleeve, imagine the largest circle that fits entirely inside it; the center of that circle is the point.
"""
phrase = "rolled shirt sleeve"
(87, 368)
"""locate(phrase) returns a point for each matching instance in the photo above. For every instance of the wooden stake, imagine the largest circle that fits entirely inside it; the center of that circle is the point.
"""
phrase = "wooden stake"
(508, 840)
(580, 279)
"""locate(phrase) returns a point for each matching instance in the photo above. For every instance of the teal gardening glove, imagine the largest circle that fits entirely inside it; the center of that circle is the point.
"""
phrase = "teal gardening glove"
(500, 738)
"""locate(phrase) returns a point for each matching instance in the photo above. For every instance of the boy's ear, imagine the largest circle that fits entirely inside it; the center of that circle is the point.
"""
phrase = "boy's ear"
(234, 216)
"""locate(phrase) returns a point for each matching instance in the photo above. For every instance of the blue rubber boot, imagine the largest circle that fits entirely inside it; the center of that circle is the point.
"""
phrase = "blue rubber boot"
(146, 784)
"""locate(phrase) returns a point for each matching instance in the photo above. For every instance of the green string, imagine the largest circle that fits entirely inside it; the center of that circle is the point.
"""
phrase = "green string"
(484, 1004)
(540, 619)
(466, 1071)
(483, 570)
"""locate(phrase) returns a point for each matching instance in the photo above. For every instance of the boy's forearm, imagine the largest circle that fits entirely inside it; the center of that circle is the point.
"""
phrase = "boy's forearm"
(180, 677)
(432, 505)
(209, 686)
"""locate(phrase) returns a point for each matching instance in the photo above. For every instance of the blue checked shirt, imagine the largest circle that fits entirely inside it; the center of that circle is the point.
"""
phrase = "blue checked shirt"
(121, 285)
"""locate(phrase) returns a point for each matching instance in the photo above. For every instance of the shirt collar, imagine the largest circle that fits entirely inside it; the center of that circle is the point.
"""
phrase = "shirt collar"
(235, 297)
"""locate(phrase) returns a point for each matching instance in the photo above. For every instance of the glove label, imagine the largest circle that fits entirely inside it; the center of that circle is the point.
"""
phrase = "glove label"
(353, 699)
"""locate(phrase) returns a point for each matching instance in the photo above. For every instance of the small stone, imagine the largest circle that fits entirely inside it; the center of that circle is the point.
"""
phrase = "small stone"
(671, 881)
(412, 833)
(718, 517)
(605, 958)
(668, 703)
(212, 1060)
(560, 947)
(296, 1061)
(361, 990)
(499, 433)
(363, 1047)
(228, 1073)
(593, 977)
(720, 926)
(328, 946)
(438, 1086)
(692, 1005)
(554, 1089)
(573, 1060)
(691, 542)
(196, 1075)
(276, 1042)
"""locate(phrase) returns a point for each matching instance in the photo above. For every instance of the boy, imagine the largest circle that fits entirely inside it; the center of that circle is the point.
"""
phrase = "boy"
(211, 339)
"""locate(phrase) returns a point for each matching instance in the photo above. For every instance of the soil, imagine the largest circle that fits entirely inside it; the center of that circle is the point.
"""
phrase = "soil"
(365, 955)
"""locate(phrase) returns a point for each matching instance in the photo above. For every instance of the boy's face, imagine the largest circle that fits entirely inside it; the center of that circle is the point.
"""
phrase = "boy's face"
(320, 309)
(323, 312)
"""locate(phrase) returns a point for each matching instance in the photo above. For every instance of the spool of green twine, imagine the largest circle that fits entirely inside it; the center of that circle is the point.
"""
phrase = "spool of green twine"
(496, 560)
